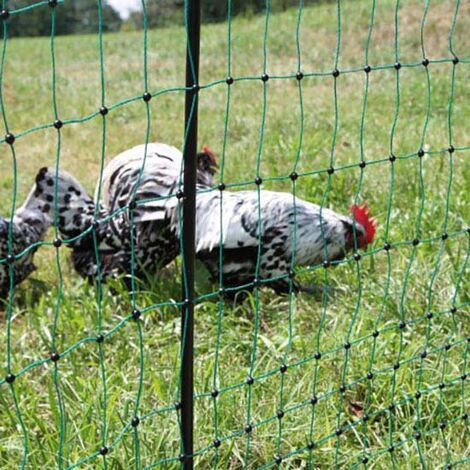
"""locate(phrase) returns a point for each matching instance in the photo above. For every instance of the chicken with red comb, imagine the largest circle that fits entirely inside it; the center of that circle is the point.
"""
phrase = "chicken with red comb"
(149, 174)
(258, 242)
(207, 161)
(361, 215)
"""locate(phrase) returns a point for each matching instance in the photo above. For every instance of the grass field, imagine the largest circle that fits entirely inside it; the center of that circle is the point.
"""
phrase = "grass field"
(136, 369)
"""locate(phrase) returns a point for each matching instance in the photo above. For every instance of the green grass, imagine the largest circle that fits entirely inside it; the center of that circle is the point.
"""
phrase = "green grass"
(377, 293)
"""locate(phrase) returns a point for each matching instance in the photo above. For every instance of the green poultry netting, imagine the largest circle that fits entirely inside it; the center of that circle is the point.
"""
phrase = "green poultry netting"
(336, 103)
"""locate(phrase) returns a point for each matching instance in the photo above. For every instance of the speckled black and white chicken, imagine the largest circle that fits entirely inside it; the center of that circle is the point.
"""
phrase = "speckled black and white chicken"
(256, 231)
(142, 178)
(28, 227)
(259, 231)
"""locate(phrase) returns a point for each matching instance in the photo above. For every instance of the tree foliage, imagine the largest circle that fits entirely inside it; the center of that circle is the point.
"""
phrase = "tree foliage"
(72, 17)
(164, 12)
(81, 16)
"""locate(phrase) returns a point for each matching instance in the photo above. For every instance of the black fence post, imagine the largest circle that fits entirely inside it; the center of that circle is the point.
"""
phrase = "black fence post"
(193, 26)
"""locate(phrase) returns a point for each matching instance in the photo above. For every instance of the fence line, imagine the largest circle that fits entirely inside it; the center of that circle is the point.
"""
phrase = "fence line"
(188, 243)
(184, 408)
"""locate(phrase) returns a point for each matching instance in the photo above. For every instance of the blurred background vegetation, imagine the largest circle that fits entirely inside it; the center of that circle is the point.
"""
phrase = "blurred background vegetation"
(80, 16)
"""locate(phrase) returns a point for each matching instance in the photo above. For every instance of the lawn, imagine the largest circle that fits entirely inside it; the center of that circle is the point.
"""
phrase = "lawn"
(61, 415)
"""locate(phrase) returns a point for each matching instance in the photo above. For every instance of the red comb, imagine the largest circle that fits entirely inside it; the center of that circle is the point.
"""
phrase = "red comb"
(211, 154)
(362, 216)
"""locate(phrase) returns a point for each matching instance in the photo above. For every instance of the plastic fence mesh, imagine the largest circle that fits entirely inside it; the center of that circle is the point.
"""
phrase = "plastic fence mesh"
(386, 383)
